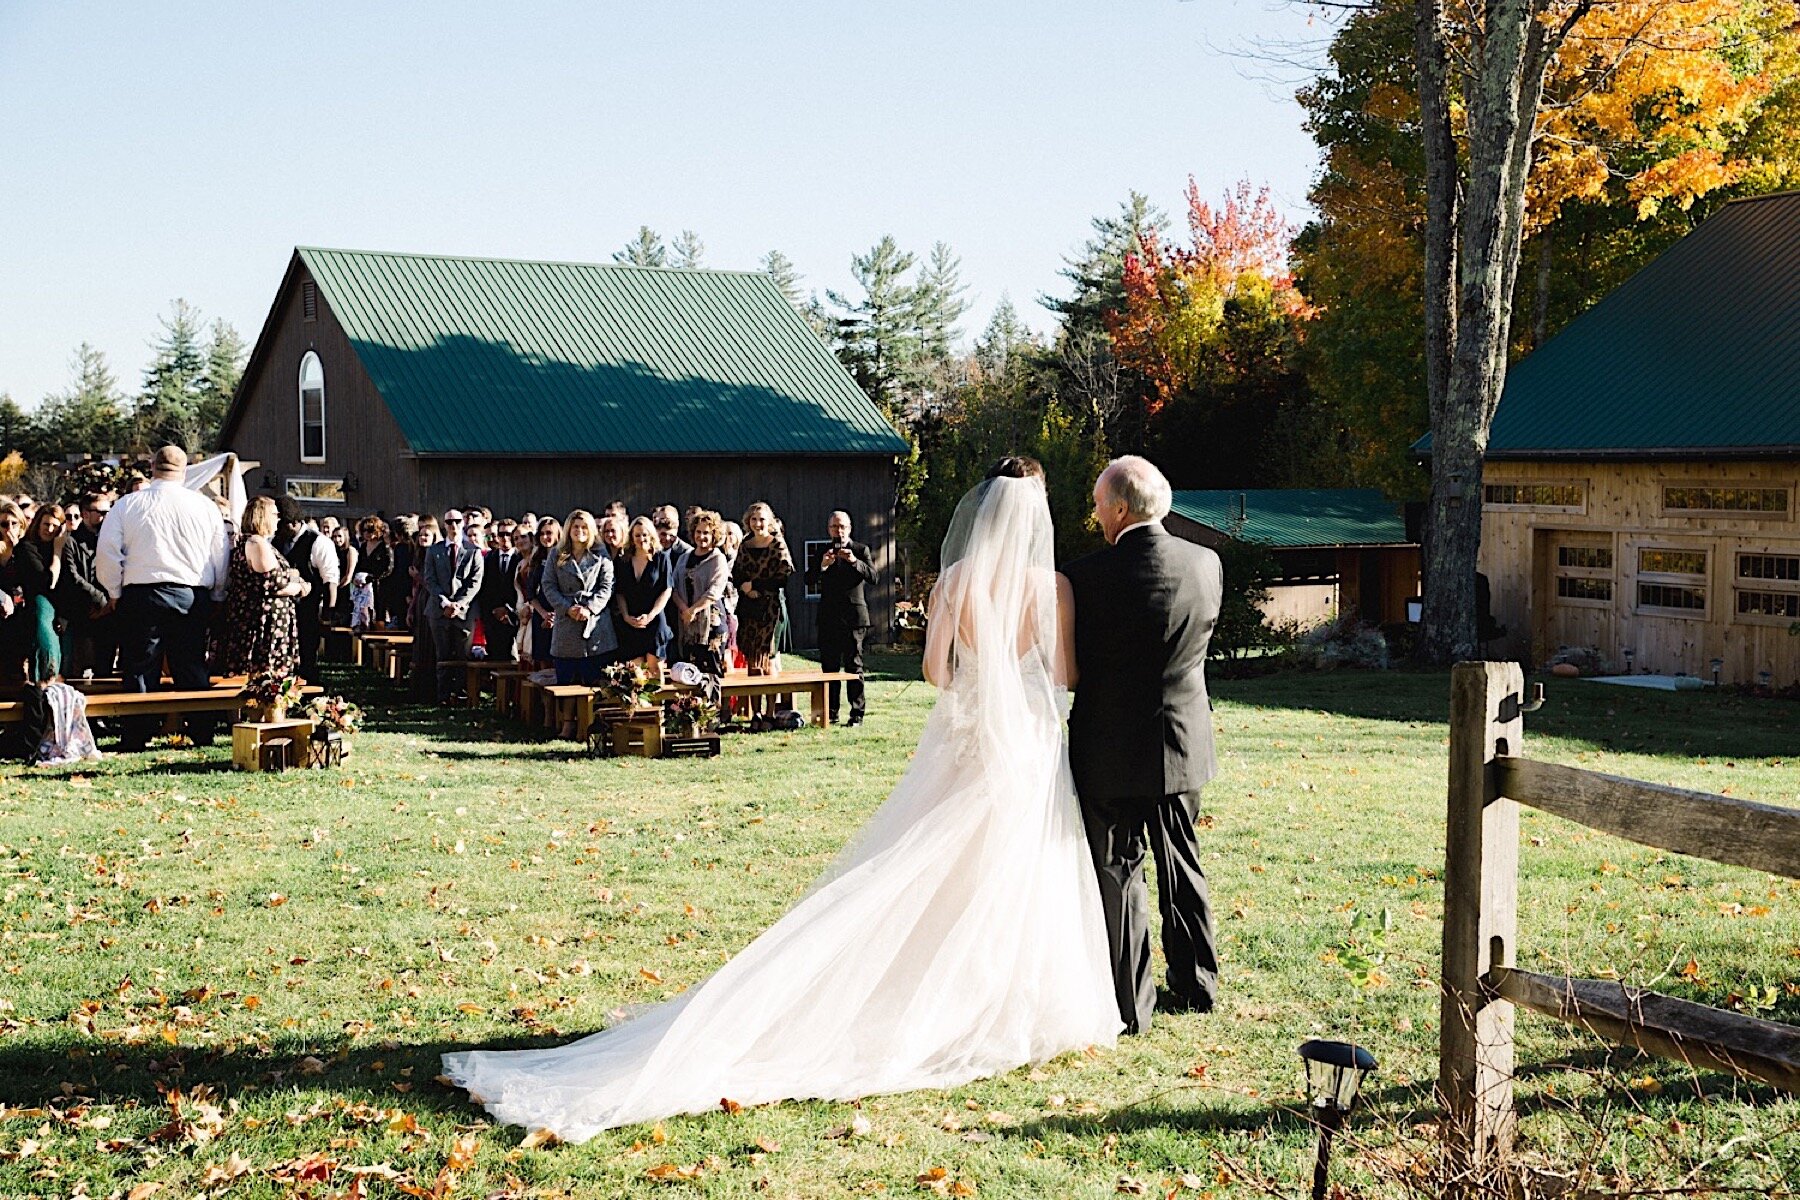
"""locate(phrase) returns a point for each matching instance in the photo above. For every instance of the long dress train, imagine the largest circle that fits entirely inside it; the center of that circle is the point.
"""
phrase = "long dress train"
(959, 935)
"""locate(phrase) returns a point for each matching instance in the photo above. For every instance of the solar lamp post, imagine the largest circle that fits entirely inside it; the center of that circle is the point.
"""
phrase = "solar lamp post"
(1334, 1073)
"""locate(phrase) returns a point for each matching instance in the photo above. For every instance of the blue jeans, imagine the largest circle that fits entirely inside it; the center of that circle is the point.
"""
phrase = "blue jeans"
(578, 670)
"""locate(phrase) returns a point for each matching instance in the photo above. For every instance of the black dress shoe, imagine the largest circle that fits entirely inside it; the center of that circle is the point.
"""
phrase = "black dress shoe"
(1174, 1002)
(855, 719)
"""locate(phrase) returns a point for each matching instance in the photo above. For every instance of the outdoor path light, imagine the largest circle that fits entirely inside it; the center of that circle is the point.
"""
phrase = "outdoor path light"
(1334, 1072)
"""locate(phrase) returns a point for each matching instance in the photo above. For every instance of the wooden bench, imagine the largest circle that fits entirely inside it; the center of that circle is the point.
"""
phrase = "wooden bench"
(229, 699)
(363, 645)
(392, 655)
(509, 687)
(339, 643)
(575, 702)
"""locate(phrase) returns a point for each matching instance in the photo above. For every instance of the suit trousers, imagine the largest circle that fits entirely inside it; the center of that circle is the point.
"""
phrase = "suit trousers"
(157, 621)
(451, 638)
(842, 650)
(1118, 832)
(309, 617)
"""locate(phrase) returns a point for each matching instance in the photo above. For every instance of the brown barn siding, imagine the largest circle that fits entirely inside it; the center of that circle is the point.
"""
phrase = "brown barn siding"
(1622, 512)
(361, 437)
(802, 491)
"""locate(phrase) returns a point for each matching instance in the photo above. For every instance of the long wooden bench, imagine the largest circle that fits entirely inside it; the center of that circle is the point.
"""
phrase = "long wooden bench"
(149, 704)
(575, 702)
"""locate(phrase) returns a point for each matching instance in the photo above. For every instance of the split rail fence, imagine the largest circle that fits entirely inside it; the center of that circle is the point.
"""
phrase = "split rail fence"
(1489, 780)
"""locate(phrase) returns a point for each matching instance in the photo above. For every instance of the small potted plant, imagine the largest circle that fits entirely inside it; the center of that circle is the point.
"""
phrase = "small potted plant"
(272, 694)
(627, 684)
(334, 714)
(686, 716)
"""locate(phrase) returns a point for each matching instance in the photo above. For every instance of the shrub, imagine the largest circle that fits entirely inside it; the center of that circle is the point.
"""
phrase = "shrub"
(1241, 626)
(1340, 642)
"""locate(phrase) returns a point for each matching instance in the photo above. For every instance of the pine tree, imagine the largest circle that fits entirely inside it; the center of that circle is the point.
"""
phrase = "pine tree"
(88, 418)
(780, 268)
(645, 250)
(878, 338)
(18, 431)
(939, 302)
(1005, 337)
(225, 354)
(1098, 271)
(169, 406)
(687, 251)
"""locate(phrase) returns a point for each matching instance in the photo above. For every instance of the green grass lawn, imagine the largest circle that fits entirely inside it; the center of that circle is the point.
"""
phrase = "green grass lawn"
(240, 985)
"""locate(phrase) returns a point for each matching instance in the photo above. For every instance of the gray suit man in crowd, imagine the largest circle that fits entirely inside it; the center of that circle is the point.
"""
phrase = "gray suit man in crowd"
(451, 579)
(1141, 735)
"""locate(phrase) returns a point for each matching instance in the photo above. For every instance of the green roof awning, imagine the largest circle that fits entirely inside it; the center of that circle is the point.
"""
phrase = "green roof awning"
(1290, 518)
(500, 356)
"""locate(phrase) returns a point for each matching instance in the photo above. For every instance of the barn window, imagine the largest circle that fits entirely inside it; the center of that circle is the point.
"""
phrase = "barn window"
(815, 554)
(1683, 498)
(312, 409)
(1543, 497)
(1768, 588)
(1671, 581)
(309, 301)
(316, 491)
(1584, 575)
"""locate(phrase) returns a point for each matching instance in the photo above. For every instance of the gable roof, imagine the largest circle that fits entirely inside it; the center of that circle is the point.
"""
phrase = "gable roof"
(1698, 354)
(1289, 518)
(502, 356)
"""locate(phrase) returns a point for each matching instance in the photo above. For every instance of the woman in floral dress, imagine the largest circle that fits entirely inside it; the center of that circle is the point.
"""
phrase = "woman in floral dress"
(261, 631)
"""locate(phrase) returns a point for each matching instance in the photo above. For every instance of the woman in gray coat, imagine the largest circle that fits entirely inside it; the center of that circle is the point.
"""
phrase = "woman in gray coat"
(578, 584)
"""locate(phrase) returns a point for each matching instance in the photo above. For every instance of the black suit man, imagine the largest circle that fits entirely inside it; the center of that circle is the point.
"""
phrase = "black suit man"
(840, 575)
(1140, 734)
(496, 598)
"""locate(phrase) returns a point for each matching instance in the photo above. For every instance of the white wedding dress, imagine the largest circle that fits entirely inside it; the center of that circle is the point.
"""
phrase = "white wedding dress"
(959, 934)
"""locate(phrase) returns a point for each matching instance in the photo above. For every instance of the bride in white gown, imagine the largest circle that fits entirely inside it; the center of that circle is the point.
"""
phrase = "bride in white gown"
(958, 935)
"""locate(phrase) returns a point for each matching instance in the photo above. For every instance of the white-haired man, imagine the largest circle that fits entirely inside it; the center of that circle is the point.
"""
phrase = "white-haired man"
(1141, 737)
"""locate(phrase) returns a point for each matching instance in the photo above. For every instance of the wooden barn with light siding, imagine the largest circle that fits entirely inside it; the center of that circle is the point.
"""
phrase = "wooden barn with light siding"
(1644, 468)
(388, 383)
(1338, 550)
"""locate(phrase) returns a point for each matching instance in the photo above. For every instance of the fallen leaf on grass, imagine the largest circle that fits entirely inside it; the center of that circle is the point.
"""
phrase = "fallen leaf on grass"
(539, 1139)
(226, 1171)
(143, 1191)
(731, 1107)
(462, 1153)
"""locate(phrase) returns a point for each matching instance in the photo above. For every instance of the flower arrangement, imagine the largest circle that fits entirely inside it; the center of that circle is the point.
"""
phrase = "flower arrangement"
(335, 713)
(273, 691)
(687, 715)
(627, 683)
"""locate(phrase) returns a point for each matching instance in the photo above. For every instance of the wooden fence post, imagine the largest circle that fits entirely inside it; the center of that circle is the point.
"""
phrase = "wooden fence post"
(1481, 861)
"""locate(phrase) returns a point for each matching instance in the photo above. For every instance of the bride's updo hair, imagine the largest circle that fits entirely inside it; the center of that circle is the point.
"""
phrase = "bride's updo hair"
(1016, 466)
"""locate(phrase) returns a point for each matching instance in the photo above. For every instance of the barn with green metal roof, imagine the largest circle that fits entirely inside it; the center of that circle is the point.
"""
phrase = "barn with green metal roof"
(389, 383)
(1338, 551)
(1639, 497)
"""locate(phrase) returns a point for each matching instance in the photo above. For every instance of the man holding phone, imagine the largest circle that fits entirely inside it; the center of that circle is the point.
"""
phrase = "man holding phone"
(843, 610)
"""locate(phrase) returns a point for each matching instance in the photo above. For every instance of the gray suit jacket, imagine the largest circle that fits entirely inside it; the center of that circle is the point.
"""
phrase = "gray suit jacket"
(1141, 727)
(454, 577)
(588, 582)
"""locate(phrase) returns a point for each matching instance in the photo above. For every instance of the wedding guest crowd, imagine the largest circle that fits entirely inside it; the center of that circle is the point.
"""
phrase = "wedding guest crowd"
(160, 580)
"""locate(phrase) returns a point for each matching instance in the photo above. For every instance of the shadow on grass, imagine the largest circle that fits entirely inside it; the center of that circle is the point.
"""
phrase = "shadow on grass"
(37, 1074)
(1602, 716)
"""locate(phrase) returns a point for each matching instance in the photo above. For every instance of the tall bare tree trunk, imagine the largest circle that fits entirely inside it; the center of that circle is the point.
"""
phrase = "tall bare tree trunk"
(1501, 90)
(1540, 311)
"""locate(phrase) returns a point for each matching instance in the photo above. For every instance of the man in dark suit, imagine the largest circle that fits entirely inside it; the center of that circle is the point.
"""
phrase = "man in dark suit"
(840, 575)
(1141, 737)
(499, 622)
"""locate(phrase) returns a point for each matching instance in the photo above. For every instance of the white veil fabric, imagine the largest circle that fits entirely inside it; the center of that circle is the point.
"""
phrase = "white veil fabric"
(958, 935)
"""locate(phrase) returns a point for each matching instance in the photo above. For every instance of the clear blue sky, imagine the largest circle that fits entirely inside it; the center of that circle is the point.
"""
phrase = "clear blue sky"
(156, 150)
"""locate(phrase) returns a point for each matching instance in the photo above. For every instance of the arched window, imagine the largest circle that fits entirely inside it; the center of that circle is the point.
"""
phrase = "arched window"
(312, 409)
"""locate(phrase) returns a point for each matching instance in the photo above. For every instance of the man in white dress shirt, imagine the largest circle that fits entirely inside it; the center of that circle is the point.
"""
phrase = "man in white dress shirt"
(163, 555)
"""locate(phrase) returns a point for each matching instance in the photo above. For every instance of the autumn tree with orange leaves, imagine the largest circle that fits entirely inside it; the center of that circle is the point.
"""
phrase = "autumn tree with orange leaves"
(1449, 231)
(1214, 327)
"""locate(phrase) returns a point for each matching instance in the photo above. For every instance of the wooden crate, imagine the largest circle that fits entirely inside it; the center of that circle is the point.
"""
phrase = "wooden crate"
(704, 746)
(640, 738)
(248, 738)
